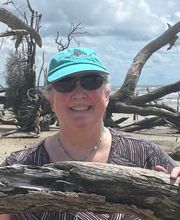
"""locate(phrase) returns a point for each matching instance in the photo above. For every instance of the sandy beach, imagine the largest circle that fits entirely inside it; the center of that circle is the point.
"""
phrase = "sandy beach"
(165, 137)
(17, 141)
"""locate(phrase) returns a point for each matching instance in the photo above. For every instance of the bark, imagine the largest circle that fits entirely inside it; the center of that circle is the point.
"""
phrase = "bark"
(87, 186)
(3, 100)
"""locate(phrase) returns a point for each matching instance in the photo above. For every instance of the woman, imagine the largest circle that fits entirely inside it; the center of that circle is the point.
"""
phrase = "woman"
(78, 92)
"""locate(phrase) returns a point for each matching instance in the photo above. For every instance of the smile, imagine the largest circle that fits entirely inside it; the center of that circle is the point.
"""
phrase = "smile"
(80, 108)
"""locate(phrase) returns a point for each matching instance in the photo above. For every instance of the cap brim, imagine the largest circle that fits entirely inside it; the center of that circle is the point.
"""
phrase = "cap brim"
(74, 69)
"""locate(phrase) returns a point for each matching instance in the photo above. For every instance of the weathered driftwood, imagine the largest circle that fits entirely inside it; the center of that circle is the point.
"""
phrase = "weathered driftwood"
(126, 100)
(86, 186)
(145, 123)
(19, 28)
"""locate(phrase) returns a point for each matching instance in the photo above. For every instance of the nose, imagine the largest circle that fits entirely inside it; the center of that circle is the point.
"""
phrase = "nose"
(79, 91)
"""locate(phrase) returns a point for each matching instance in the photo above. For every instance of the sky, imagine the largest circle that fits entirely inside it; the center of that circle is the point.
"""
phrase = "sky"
(116, 29)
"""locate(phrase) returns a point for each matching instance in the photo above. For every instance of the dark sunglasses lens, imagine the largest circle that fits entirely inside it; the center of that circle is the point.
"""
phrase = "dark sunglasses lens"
(65, 85)
(91, 82)
(87, 82)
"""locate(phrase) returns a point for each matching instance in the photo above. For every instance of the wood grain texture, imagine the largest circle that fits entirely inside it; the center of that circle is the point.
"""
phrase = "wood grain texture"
(88, 186)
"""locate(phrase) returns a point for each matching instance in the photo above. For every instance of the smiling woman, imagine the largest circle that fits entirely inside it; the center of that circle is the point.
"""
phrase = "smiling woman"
(78, 92)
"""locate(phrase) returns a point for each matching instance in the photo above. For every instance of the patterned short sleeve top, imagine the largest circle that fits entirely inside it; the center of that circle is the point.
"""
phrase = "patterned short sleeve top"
(125, 150)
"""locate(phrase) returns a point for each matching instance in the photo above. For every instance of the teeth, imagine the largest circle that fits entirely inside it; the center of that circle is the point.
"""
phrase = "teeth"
(80, 108)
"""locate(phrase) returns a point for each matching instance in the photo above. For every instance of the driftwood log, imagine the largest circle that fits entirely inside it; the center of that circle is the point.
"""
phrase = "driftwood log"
(89, 186)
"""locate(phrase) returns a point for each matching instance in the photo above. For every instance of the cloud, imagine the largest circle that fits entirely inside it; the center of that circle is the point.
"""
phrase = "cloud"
(102, 18)
(116, 29)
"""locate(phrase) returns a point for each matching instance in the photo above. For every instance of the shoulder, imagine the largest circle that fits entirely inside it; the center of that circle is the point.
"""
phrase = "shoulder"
(142, 151)
(24, 156)
(128, 139)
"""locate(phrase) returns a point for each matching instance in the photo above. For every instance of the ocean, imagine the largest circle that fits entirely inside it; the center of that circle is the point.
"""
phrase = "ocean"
(170, 99)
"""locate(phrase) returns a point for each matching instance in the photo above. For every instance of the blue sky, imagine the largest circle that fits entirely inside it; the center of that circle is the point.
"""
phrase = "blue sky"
(116, 29)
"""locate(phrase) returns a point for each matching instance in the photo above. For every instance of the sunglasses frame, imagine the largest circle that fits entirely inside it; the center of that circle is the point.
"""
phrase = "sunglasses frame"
(84, 82)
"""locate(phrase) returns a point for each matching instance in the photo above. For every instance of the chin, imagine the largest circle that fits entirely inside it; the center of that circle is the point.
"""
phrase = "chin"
(82, 125)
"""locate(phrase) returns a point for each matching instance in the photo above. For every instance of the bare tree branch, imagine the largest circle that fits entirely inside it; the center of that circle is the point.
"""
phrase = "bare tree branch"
(124, 100)
(30, 8)
(41, 70)
(130, 109)
(134, 72)
(74, 30)
(156, 94)
(15, 23)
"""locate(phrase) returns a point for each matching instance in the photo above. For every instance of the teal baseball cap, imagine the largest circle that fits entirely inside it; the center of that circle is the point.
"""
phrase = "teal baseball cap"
(74, 60)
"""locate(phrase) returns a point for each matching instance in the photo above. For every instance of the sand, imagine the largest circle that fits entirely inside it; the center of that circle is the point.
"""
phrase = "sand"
(19, 141)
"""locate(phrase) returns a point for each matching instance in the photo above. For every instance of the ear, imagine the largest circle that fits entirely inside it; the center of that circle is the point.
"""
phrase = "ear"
(107, 93)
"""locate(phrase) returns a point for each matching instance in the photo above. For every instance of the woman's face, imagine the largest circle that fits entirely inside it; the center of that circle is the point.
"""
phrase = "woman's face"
(80, 108)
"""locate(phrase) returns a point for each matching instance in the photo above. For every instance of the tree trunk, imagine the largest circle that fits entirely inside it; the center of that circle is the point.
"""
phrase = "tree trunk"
(89, 186)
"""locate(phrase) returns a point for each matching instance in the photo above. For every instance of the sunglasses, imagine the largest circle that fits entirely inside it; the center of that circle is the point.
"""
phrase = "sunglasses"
(89, 82)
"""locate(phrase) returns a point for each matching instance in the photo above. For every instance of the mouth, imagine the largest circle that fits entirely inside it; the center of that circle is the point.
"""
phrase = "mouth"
(80, 108)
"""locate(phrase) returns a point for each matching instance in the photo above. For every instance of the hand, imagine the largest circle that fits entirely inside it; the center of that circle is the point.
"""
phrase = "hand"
(174, 175)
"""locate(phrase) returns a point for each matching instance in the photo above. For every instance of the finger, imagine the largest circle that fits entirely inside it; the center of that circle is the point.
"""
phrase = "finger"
(175, 172)
(175, 181)
(160, 169)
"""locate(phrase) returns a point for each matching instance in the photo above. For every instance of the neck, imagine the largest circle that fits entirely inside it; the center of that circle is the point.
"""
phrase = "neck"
(81, 147)
(80, 138)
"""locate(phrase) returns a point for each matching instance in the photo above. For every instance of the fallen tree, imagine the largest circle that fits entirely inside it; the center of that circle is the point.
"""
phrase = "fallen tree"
(125, 99)
(96, 187)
